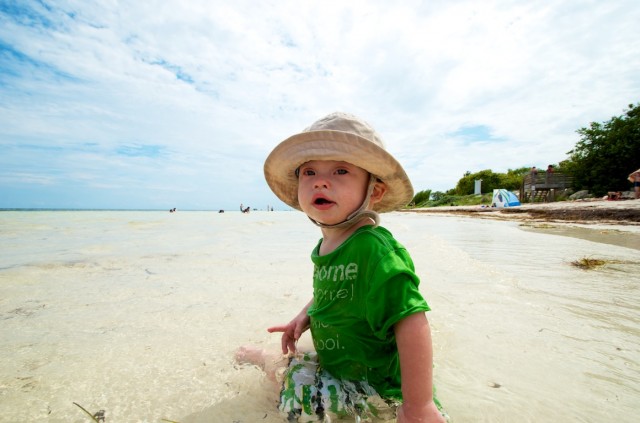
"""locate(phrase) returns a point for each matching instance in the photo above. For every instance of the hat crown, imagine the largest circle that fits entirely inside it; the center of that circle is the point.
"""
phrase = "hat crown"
(345, 122)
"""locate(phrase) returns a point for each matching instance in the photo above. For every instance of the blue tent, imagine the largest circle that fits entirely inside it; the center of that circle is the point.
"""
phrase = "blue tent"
(504, 198)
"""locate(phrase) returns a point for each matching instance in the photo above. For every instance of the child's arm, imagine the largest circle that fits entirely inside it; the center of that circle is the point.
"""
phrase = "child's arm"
(413, 337)
(292, 331)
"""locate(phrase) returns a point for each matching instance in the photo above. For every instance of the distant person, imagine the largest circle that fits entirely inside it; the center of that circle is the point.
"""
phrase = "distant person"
(373, 352)
(635, 178)
(614, 195)
(534, 176)
(548, 177)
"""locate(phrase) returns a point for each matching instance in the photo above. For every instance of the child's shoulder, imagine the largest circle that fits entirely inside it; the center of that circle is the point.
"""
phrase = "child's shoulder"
(370, 235)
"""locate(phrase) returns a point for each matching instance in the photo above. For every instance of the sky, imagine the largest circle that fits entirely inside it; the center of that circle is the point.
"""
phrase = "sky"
(177, 103)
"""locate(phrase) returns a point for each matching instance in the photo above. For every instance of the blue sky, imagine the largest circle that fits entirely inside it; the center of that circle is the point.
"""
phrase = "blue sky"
(162, 104)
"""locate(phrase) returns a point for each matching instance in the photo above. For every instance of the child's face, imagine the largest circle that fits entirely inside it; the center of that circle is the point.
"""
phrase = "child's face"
(329, 191)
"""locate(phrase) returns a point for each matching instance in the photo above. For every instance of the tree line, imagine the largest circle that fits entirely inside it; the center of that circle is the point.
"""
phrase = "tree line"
(601, 160)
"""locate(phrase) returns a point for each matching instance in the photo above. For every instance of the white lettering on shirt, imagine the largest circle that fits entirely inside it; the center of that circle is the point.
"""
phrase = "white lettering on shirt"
(328, 274)
(336, 273)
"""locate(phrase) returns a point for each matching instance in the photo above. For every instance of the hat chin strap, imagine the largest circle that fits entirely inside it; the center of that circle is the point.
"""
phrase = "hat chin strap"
(357, 215)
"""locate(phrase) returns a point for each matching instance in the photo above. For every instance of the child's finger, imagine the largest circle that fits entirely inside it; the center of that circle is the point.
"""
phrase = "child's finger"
(285, 344)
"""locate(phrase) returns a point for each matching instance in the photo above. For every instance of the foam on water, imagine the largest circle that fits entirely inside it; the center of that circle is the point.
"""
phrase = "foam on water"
(139, 314)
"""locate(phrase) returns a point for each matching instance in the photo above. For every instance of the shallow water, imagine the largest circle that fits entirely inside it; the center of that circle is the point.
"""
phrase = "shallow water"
(139, 313)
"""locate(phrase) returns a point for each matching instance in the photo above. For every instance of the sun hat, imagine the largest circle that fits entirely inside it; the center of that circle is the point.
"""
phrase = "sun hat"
(340, 137)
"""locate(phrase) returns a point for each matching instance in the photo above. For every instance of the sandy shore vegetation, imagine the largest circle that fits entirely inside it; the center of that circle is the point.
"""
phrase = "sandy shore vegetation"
(624, 212)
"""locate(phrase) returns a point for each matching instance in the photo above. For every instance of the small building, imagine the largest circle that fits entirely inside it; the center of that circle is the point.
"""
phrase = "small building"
(545, 186)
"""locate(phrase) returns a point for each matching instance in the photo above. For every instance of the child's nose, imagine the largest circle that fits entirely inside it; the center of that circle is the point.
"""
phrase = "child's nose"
(320, 182)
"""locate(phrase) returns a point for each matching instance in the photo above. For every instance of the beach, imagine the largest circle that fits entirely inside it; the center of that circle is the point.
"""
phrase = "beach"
(597, 211)
(139, 313)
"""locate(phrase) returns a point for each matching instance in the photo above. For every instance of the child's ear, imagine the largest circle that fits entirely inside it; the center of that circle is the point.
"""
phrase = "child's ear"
(379, 190)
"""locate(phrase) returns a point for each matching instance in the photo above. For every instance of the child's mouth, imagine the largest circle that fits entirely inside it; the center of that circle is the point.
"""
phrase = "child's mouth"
(322, 203)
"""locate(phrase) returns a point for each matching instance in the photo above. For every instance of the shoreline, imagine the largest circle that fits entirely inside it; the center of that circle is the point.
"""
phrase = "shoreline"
(606, 222)
(180, 293)
(584, 212)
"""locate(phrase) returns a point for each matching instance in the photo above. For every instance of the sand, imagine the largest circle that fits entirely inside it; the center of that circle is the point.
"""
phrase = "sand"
(624, 212)
(140, 313)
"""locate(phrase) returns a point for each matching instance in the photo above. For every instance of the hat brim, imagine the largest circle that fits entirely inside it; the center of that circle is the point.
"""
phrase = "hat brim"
(280, 167)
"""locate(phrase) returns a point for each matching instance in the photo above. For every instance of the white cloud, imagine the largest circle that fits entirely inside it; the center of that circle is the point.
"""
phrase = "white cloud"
(215, 86)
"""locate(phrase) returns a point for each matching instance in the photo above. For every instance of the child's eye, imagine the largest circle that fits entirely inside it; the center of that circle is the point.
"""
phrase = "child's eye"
(308, 172)
(342, 171)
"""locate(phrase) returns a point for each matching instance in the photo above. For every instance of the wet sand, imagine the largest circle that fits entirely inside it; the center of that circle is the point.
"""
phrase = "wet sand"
(607, 222)
(139, 314)
(625, 212)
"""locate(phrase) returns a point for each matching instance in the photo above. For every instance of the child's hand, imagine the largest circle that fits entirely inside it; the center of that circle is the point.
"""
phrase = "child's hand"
(289, 337)
(292, 331)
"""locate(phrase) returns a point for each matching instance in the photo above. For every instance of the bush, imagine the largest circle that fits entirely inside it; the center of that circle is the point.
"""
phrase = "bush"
(421, 198)
(439, 199)
(490, 181)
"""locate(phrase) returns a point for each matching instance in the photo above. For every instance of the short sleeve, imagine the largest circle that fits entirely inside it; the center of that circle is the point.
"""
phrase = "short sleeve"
(393, 293)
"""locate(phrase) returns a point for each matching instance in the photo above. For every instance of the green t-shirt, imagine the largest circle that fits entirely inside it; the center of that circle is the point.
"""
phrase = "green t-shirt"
(360, 291)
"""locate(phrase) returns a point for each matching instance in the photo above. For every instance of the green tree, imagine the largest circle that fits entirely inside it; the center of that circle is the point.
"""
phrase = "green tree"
(421, 197)
(606, 153)
(490, 180)
(438, 196)
(512, 180)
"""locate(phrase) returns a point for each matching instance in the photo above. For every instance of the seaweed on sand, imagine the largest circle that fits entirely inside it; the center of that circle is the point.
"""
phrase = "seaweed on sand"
(588, 263)
(98, 417)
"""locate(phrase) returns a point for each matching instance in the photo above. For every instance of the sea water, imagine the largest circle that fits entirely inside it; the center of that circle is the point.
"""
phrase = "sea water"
(139, 314)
